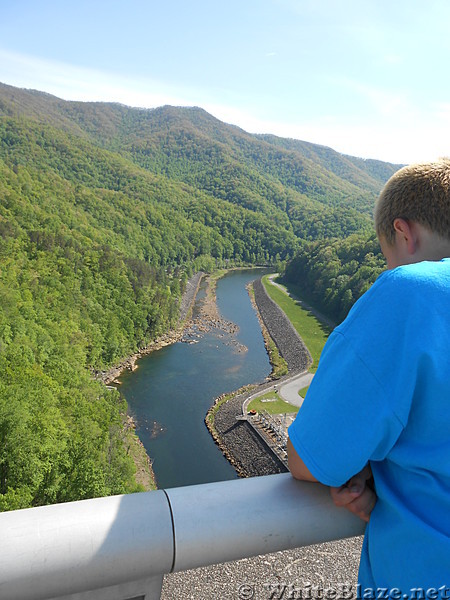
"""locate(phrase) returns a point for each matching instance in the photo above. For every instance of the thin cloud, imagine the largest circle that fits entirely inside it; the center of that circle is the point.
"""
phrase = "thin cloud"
(83, 83)
(380, 101)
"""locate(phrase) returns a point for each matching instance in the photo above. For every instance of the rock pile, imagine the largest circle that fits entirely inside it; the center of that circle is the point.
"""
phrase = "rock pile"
(187, 300)
(287, 340)
(240, 443)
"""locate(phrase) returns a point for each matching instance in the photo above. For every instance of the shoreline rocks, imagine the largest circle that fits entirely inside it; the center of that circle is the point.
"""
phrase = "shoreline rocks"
(237, 440)
(289, 343)
(129, 364)
(189, 296)
(171, 337)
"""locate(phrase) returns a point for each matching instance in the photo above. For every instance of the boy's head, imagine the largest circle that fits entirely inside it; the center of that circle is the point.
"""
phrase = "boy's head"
(412, 214)
(418, 193)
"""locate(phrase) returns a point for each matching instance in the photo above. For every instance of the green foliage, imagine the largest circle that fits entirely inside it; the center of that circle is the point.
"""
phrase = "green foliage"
(58, 442)
(105, 211)
(335, 273)
(286, 182)
(363, 173)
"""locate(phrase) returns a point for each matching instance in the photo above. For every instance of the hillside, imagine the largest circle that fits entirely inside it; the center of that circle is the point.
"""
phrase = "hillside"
(105, 211)
(306, 187)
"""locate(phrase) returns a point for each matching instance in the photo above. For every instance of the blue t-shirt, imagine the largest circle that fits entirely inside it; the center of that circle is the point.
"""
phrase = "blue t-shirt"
(382, 394)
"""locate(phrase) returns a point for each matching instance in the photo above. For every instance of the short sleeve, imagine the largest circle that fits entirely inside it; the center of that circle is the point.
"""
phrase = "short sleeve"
(345, 420)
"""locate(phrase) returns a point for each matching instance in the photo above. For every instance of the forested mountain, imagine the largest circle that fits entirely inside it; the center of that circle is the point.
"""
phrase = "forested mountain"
(105, 211)
(370, 174)
(286, 179)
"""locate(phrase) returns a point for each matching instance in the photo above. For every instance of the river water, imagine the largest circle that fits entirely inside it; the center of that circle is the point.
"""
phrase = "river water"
(173, 388)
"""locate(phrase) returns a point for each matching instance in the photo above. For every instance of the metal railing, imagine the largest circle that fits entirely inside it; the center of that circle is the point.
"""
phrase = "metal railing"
(120, 547)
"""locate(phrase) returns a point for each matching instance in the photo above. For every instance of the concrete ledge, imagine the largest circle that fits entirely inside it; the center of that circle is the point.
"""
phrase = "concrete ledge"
(77, 547)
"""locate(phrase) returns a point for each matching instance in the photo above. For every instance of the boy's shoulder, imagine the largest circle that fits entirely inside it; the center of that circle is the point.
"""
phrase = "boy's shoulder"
(400, 291)
(414, 273)
(424, 273)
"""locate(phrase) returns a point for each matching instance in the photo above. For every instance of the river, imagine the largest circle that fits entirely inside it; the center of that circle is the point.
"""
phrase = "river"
(173, 388)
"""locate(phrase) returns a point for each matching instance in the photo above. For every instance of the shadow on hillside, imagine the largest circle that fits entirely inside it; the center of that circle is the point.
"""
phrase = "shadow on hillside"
(325, 323)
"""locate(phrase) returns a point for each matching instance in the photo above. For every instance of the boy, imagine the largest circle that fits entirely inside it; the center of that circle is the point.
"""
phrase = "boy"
(379, 404)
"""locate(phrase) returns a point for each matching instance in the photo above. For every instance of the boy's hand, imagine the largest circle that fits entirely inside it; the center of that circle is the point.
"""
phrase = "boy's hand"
(357, 495)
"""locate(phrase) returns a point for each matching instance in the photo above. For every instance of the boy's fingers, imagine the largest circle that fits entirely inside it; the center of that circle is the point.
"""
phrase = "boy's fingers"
(357, 483)
(364, 504)
(343, 495)
(361, 504)
(357, 494)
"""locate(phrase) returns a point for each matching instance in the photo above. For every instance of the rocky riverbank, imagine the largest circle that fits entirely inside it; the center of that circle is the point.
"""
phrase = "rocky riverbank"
(189, 296)
(281, 330)
(208, 316)
(237, 440)
(175, 335)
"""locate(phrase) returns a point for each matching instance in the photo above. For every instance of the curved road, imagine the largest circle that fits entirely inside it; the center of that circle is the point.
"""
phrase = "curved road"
(290, 388)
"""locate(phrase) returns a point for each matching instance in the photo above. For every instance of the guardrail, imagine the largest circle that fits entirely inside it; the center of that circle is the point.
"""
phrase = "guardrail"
(120, 547)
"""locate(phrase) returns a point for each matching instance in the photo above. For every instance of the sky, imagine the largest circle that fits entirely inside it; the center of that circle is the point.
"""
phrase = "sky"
(369, 78)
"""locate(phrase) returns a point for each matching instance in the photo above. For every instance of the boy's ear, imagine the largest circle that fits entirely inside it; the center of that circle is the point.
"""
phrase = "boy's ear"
(406, 234)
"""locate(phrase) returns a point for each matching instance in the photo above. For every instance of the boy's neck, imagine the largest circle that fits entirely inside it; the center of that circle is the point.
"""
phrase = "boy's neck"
(413, 243)
(434, 246)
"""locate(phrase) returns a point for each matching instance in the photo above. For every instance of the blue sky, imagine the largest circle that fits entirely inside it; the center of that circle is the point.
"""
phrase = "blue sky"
(366, 77)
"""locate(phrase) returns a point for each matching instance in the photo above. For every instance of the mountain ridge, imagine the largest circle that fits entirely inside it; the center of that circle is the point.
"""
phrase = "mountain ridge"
(307, 190)
(113, 119)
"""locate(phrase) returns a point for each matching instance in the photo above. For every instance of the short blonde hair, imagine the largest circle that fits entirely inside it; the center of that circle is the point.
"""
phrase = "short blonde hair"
(419, 193)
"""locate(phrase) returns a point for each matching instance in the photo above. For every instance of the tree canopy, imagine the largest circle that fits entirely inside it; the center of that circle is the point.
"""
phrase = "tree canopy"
(333, 274)
(105, 212)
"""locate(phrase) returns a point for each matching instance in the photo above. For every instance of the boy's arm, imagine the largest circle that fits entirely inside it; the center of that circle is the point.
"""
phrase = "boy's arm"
(357, 495)
(296, 465)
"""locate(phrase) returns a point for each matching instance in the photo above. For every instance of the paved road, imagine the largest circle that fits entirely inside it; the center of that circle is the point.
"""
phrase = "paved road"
(289, 390)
